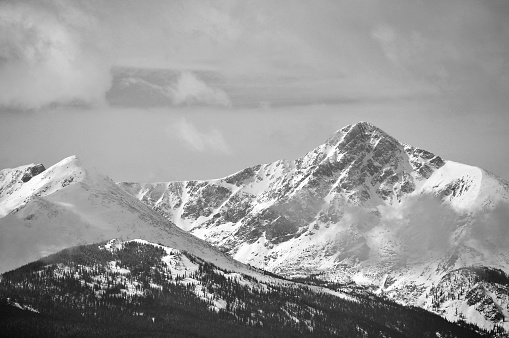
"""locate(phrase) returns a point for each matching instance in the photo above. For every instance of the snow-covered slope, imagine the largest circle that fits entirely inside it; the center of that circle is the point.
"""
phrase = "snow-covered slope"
(361, 207)
(12, 180)
(69, 204)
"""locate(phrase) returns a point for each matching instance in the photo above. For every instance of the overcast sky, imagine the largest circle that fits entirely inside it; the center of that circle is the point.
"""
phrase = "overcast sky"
(251, 81)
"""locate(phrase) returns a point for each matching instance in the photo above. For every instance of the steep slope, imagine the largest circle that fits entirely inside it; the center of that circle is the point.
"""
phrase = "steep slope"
(141, 288)
(362, 207)
(70, 204)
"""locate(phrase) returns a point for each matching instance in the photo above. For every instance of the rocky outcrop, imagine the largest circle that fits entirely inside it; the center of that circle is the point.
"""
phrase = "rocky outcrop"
(12, 179)
(480, 290)
(31, 172)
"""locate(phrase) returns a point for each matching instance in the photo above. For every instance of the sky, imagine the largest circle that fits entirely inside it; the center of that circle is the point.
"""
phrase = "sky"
(179, 90)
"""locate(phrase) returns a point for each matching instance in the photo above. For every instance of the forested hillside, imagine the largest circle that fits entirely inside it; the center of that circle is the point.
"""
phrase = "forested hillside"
(143, 289)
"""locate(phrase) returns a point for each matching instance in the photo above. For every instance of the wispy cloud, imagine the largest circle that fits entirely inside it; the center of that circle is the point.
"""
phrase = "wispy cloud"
(283, 53)
(189, 90)
(201, 141)
(415, 53)
(47, 58)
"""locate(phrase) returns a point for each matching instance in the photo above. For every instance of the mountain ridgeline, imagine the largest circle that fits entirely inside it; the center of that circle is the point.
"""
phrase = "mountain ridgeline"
(361, 208)
(373, 227)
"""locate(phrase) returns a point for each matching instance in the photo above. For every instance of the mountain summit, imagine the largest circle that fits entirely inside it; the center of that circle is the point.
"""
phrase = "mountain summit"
(71, 204)
(362, 208)
(359, 166)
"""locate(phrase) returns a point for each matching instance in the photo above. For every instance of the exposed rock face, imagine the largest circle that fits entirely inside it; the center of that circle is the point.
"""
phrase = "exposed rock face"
(480, 290)
(31, 172)
(361, 207)
(358, 166)
(12, 179)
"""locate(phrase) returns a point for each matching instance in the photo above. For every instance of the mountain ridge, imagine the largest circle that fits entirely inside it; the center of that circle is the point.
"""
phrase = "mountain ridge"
(361, 207)
(71, 204)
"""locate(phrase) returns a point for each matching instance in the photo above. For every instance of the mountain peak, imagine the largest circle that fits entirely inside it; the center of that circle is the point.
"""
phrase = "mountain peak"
(362, 126)
(364, 130)
(69, 166)
(69, 159)
(360, 132)
(42, 183)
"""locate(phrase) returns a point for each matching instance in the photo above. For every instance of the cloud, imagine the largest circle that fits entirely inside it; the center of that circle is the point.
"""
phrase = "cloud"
(46, 57)
(421, 222)
(201, 141)
(166, 87)
(411, 51)
(386, 36)
(189, 90)
(493, 227)
(282, 53)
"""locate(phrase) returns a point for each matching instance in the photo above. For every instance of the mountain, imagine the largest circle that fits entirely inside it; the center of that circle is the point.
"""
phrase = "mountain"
(130, 287)
(137, 288)
(361, 208)
(67, 204)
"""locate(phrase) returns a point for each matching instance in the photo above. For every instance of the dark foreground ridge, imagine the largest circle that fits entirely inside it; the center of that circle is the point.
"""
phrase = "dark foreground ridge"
(78, 293)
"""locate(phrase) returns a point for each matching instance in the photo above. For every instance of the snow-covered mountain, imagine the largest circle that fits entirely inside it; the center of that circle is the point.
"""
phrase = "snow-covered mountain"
(43, 211)
(363, 208)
